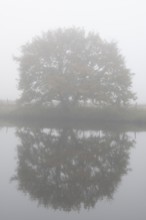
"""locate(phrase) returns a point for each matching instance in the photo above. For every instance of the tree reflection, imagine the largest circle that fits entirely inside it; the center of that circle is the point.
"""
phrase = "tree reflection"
(68, 168)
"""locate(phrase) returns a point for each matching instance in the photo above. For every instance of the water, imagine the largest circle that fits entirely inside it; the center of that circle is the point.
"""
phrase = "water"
(69, 173)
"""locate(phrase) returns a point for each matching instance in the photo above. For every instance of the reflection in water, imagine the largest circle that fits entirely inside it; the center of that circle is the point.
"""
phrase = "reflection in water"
(68, 168)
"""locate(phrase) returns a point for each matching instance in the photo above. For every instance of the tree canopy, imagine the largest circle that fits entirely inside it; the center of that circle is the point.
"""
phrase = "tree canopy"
(70, 66)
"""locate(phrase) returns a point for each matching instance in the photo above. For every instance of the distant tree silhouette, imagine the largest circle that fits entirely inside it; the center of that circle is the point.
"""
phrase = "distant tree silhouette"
(71, 66)
(68, 168)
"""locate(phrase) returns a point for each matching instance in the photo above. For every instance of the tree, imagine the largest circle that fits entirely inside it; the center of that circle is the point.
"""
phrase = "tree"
(71, 66)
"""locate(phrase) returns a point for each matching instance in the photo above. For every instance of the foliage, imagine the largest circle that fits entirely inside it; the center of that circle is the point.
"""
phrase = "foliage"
(70, 67)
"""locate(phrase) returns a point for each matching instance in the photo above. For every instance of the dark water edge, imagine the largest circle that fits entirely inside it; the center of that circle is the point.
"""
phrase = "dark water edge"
(87, 124)
(77, 117)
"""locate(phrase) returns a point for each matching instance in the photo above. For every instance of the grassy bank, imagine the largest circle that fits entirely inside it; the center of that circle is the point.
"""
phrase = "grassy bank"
(10, 111)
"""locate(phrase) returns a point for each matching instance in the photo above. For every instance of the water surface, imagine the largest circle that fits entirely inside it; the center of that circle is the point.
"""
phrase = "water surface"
(68, 173)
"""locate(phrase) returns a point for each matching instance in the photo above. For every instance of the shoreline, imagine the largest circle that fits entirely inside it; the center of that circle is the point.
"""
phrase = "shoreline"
(89, 118)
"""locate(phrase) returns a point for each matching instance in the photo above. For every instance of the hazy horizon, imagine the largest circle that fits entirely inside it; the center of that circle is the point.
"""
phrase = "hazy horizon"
(121, 21)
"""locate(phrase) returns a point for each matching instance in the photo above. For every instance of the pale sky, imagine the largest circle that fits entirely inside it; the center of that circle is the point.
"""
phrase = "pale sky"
(123, 21)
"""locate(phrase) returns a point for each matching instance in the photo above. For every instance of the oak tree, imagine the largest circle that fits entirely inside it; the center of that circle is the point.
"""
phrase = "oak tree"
(70, 66)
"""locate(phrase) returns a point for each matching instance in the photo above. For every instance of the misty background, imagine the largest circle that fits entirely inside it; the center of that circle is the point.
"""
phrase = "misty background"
(121, 21)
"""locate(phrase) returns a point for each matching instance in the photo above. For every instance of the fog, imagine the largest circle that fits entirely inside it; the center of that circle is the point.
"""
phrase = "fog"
(72, 146)
(121, 21)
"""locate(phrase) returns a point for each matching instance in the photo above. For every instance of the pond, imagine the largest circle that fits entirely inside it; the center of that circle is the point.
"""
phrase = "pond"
(72, 173)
